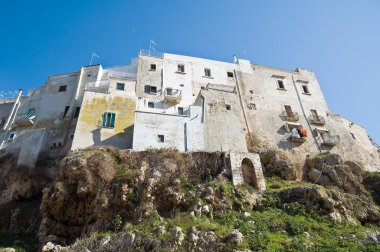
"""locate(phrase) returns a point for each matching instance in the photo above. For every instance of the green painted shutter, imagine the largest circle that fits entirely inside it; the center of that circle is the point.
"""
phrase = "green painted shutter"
(112, 122)
(104, 123)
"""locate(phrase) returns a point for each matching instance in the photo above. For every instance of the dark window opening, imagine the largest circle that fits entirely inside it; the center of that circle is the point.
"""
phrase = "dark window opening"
(150, 89)
(150, 104)
(288, 110)
(120, 86)
(11, 136)
(76, 113)
(109, 120)
(62, 88)
(153, 67)
(207, 72)
(230, 74)
(65, 112)
(305, 89)
(228, 107)
(169, 91)
(181, 85)
(181, 68)
(180, 111)
(280, 84)
(161, 138)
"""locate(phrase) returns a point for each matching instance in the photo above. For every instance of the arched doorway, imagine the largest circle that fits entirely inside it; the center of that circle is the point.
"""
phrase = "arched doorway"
(248, 172)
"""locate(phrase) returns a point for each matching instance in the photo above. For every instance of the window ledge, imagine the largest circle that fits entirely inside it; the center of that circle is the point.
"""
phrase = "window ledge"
(178, 72)
(306, 93)
(208, 77)
(282, 89)
(153, 70)
(103, 127)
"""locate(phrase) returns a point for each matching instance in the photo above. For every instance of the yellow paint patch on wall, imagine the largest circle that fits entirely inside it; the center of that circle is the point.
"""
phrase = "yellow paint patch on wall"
(93, 109)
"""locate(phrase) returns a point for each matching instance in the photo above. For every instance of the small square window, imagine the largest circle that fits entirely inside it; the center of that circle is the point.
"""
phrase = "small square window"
(207, 72)
(89, 75)
(228, 107)
(11, 136)
(153, 67)
(280, 84)
(181, 68)
(180, 111)
(150, 89)
(230, 74)
(161, 138)
(181, 85)
(150, 104)
(120, 86)
(169, 91)
(62, 88)
(305, 89)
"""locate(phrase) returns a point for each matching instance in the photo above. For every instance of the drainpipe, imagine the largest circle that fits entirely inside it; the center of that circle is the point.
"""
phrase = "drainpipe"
(11, 115)
(241, 102)
(304, 114)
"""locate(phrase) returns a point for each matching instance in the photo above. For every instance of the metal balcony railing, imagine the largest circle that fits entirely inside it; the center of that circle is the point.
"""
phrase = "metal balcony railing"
(330, 140)
(152, 53)
(172, 94)
(290, 116)
(318, 120)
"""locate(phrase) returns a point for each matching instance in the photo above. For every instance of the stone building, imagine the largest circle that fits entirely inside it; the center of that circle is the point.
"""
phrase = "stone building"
(182, 102)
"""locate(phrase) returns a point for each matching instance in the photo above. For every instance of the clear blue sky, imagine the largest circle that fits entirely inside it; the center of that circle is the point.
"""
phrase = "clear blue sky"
(338, 39)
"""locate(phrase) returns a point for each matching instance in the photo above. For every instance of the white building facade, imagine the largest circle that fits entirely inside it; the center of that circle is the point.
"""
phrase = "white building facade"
(186, 103)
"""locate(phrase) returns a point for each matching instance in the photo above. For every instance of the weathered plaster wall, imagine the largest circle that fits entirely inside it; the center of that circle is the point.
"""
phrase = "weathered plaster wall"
(224, 128)
(89, 131)
(149, 125)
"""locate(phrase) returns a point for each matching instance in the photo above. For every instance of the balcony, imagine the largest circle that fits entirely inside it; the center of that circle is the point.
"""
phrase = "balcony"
(290, 116)
(24, 120)
(173, 95)
(317, 120)
(330, 140)
(99, 86)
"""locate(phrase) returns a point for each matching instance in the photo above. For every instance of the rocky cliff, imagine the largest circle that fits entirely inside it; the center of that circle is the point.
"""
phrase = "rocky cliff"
(161, 200)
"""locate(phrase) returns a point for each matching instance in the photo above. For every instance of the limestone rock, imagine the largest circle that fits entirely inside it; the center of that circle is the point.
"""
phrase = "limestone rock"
(235, 237)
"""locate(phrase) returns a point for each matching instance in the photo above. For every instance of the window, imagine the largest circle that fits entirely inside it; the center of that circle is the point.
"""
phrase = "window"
(180, 111)
(65, 112)
(305, 89)
(62, 88)
(108, 120)
(181, 85)
(150, 104)
(230, 74)
(314, 114)
(89, 75)
(181, 68)
(120, 86)
(11, 136)
(207, 72)
(30, 113)
(228, 107)
(288, 110)
(76, 113)
(161, 138)
(153, 67)
(150, 89)
(280, 84)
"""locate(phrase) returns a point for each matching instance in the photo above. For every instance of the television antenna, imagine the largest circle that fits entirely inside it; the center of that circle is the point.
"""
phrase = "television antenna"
(92, 57)
(151, 46)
